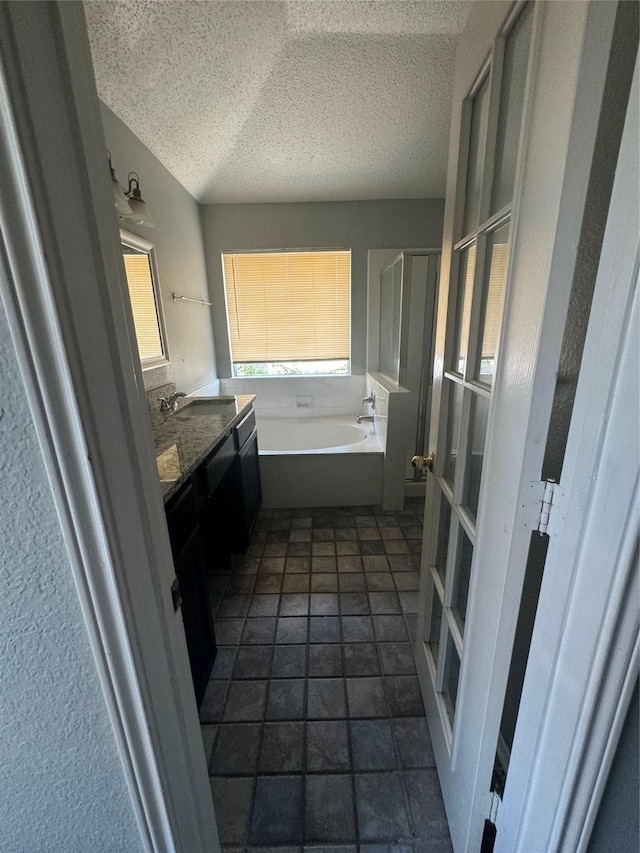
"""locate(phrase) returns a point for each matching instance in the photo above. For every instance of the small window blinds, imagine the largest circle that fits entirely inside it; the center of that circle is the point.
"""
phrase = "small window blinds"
(288, 306)
(143, 303)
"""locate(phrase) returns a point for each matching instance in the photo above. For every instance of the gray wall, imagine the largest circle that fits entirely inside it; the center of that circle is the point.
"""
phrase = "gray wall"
(63, 786)
(178, 241)
(358, 225)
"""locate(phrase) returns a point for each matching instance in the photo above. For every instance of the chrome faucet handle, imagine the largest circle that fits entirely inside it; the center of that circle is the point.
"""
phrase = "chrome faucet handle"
(370, 399)
(170, 405)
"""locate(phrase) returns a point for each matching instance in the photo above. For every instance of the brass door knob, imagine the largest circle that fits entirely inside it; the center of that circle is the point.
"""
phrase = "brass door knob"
(424, 463)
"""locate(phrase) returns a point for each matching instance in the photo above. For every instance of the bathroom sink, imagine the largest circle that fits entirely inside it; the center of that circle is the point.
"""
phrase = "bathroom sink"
(205, 406)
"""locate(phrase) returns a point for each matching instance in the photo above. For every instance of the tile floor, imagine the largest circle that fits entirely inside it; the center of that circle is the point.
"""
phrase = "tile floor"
(313, 721)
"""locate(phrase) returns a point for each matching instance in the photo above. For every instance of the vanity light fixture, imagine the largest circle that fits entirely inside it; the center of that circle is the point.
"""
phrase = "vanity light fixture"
(139, 210)
(123, 208)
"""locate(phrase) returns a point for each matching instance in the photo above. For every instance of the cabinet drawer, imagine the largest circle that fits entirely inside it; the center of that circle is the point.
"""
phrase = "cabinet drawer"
(182, 518)
(219, 463)
(244, 429)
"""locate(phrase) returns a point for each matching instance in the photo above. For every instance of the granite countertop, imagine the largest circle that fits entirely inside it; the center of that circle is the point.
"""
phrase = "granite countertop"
(182, 442)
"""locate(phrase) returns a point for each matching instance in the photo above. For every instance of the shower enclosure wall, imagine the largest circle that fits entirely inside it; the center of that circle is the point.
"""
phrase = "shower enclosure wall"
(400, 355)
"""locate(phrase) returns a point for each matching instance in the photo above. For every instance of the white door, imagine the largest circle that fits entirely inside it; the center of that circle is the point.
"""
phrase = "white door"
(526, 95)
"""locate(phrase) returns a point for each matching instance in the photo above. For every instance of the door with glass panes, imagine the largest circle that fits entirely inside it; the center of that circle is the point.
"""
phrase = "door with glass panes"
(468, 337)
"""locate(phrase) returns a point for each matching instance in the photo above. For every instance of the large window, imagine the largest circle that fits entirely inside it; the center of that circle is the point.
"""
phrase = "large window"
(289, 313)
(142, 278)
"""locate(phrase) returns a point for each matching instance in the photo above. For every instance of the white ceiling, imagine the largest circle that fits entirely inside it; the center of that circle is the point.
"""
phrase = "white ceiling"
(284, 101)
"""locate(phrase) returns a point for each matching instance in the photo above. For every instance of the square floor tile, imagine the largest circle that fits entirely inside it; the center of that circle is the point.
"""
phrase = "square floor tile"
(324, 629)
(379, 581)
(297, 551)
(323, 534)
(401, 563)
(213, 701)
(325, 698)
(375, 563)
(253, 662)
(327, 746)
(414, 743)
(354, 604)
(282, 748)
(323, 564)
(296, 583)
(296, 565)
(366, 697)
(232, 802)
(301, 522)
(271, 565)
(391, 532)
(277, 536)
(236, 751)
(268, 583)
(346, 534)
(285, 700)
(357, 629)
(382, 815)
(396, 546)
(350, 564)
(361, 659)
(300, 535)
(275, 549)
(425, 804)
(324, 582)
(325, 660)
(228, 631)
(371, 548)
(223, 665)
(324, 604)
(209, 734)
(347, 549)
(406, 581)
(277, 810)
(390, 628)
(351, 582)
(384, 602)
(259, 631)
(323, 549)
(294, 604)
(233, 606)
(289, 662)
(264, 605)
(372, 745)
(329, 812)
(245, 701)
(404, 696)
(408, 601)
(292, 629)
(397, 658)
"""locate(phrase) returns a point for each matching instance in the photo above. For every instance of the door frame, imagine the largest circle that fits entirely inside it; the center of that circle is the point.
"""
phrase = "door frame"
(574, 46)
(583, 659)
(63, 285)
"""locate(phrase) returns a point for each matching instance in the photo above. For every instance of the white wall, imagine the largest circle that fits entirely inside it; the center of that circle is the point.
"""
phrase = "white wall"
(358, 225)
(178, 241)
(63, 787)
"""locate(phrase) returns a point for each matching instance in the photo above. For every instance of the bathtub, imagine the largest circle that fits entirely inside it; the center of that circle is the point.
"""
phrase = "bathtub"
(330, 461)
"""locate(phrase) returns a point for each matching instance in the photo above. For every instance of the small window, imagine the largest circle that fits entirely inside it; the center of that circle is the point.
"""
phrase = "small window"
(144, 292)
(289, 313)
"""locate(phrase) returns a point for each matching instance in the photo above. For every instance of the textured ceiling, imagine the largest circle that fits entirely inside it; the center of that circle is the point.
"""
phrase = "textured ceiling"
(284, 101)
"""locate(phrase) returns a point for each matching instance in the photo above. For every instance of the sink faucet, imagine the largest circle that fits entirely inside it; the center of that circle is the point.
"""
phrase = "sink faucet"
(361, 418)
(169, 405)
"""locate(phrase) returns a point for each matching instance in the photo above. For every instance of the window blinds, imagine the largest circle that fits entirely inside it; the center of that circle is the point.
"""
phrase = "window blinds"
(288, 306)
(143, 304)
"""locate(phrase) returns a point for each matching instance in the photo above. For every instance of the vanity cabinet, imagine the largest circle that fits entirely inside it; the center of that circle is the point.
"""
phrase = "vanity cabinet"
(189, 563)
(248, 491)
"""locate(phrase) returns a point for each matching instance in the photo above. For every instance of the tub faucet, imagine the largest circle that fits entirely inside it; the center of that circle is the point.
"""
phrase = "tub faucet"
(169, 405)
(361, 418)
(370, 399)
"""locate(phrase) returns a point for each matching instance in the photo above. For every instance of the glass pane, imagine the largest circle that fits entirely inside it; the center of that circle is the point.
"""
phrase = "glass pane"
(453, 430)
(493, 287)
(514, 76)
(442, 545)
(434, 625)
(397, 301)
(463, 573)
(386, 320)
(479, 116)
(463, 308)
(478, 428)
(451, 676)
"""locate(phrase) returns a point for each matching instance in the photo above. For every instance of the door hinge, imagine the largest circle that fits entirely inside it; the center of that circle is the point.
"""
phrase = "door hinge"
(176, 595)
(541, 505)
